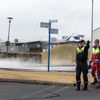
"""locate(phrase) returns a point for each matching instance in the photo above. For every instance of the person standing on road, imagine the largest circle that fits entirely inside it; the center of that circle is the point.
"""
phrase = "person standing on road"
(81, 61)
(94, 59)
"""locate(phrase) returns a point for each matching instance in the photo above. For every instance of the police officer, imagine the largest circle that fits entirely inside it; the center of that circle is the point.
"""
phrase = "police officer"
(81, 61)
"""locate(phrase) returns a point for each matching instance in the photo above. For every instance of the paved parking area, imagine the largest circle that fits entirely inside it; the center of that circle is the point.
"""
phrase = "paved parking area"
(20, 91)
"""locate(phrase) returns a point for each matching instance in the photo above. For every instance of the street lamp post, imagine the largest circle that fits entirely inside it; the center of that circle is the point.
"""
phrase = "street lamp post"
(8, 42)
(92, 15)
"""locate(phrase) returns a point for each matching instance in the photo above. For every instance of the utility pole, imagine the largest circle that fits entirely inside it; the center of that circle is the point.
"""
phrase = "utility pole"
(92, 22)
(8, 42)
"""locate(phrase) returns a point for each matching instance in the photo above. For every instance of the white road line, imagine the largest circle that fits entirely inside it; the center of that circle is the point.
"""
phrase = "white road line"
(57, 91)
(61, 89)
(37, 92)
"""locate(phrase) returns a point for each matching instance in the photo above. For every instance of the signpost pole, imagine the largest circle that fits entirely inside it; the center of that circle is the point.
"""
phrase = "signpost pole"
(50, 31)
(49, 43)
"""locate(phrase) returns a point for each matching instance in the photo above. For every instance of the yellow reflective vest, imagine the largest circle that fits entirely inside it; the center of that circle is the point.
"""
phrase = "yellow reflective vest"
(80, 50)
(96, 50)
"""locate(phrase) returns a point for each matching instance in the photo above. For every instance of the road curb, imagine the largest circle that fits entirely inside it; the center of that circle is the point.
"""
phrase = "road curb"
(33, 82)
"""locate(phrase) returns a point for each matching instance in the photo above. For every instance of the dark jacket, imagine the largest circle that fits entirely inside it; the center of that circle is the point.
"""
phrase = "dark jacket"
(83, 56)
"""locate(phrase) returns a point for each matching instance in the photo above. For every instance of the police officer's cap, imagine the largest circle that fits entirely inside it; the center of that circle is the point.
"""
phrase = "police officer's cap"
(81, 41)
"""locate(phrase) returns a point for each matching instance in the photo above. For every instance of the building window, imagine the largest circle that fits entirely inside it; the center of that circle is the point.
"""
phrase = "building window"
(76, 37)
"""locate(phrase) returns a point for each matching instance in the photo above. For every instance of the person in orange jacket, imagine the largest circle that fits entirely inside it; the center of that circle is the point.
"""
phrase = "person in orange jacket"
(94, 60)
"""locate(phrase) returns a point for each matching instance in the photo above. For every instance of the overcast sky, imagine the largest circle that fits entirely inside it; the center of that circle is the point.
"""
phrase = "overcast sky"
(74, 16)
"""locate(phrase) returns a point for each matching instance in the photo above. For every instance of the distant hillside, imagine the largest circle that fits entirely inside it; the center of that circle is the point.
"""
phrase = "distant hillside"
(62, 54)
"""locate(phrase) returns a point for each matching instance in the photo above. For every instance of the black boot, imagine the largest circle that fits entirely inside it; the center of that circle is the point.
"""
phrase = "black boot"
(93, 83)
(78, 86)
(85, 86)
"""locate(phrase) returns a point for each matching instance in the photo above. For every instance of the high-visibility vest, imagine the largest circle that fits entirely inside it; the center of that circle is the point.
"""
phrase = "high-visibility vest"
(96, 50)
(80, 50)
(95, 54)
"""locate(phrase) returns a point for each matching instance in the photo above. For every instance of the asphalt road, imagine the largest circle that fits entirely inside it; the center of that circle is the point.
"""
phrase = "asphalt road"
(19, 91)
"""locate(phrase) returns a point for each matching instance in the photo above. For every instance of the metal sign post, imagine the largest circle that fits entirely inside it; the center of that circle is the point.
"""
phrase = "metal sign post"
(50, 31)
(49, 43)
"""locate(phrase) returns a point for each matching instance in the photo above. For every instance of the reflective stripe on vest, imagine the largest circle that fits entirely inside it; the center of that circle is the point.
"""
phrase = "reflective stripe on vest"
(97, 50)
(80, 50)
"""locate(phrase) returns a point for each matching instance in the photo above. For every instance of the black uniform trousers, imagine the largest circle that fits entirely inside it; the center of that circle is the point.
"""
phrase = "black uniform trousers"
(82, 67)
